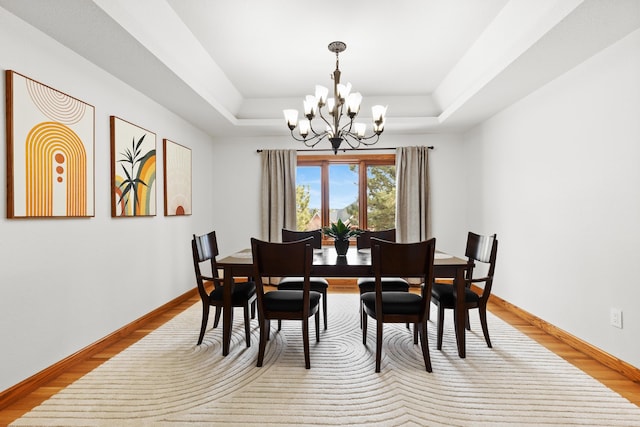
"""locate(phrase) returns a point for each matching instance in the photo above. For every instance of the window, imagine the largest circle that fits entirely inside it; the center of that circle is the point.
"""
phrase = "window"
(359, 189)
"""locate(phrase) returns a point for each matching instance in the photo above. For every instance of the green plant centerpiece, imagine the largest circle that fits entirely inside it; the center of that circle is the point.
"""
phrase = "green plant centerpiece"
(341, 232)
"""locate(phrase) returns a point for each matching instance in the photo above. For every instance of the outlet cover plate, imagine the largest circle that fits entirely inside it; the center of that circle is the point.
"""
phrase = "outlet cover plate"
(616, 317)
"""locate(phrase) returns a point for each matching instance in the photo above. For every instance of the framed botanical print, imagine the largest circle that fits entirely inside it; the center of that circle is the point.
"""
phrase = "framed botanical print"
(177, 179)
(133, 170)
(50, 151)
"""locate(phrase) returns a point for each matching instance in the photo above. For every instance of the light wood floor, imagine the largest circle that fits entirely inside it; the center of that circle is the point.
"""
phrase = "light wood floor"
(608, 377)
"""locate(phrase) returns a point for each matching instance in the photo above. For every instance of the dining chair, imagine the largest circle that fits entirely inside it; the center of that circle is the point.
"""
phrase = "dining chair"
(243, 294)
(318, 284)
(480, 249)
(285, 259)
(367, 284)
(413, 260)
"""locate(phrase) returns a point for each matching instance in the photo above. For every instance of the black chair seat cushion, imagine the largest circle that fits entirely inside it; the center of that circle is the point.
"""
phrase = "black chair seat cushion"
(389, 284)
(394, 302)
(443, 293)
(242, 291)
(289, 300)
(295, 283)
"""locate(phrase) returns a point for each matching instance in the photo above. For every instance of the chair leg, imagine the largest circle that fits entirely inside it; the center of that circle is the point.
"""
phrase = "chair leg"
(482, 310)
(268, 329)
(247, 325)
(468, 325)
(415, 333)
(324, 307)
(379, 342)
(203, 325)
(253, 309)
(317, 316)
(216, 319)
(440, 326)
(363, 322)
(305, 342)
(264, 336)
(279, 325)
(425, 345)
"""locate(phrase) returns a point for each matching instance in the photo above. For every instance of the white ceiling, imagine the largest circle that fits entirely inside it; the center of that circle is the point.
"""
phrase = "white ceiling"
(231, 66)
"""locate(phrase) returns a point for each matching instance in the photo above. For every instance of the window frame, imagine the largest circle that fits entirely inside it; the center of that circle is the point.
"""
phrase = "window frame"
(363, 161)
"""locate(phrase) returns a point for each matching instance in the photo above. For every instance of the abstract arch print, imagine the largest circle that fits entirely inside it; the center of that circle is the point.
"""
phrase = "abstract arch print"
(50, 151)
(177, 179)
(133, 170)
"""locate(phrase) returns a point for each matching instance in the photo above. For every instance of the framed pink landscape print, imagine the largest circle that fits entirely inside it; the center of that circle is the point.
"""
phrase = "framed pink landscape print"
(133, 170)
(177, 179)
(50, 151)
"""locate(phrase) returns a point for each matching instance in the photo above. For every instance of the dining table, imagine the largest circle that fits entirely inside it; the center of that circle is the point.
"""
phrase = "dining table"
(356, 263)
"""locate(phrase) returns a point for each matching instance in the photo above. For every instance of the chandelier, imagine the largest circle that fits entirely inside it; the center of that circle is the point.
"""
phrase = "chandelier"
(344, 104)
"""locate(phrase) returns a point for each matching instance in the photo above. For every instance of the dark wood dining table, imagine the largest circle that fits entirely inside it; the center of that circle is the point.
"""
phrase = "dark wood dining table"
(357, 263)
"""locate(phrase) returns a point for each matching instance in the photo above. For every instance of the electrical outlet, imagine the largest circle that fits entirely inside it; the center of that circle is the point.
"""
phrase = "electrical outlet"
(616, 317)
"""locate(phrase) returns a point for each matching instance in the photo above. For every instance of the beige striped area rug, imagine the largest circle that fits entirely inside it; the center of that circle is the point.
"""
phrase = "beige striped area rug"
(166, 380)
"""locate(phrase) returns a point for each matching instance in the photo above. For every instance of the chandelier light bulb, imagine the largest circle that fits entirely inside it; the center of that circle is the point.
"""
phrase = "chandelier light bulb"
(305, 126)
(331, 106)
(321, 95)
(310, 107)
(291, 116)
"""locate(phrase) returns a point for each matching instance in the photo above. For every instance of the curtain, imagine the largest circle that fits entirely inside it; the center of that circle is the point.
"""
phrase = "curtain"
(413, 210)
(278, 204)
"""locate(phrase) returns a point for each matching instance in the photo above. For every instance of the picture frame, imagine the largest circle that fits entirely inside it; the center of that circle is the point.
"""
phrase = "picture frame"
(50, 151)
(177, 179)
(133, 170)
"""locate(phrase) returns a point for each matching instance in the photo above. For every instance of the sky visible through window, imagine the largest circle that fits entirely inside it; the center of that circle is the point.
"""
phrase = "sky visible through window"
(344, 185)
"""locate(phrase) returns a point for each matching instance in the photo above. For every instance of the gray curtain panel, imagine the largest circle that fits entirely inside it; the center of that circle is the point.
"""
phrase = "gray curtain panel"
(413, 209)
(278, 204)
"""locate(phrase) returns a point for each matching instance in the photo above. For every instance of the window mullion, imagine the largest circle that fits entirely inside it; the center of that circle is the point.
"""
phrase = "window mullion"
(362, 193)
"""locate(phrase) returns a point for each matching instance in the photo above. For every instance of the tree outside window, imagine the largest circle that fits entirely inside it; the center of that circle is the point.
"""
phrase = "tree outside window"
(360, 189)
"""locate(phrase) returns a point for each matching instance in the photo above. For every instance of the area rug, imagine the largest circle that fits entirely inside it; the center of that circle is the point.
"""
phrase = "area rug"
(166, 380)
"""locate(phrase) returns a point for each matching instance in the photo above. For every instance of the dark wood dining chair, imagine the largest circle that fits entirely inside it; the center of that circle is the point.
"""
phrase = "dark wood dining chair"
(480, 249)
(413, 260)
(278, 260)
(367, 284)
(205, 250)
(318, 284)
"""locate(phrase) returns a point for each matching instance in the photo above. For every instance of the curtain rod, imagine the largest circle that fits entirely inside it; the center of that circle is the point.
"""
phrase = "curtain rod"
(259, 150)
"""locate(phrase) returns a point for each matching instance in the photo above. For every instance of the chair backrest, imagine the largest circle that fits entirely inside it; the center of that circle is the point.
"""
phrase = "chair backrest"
(205, 248)
(293, 235)
(282, 259)
(482, 249)
(407, 260)
(363, 241)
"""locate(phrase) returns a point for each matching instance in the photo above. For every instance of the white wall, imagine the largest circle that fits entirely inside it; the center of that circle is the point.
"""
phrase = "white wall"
(238, 169)
(557, 176)
(65, 283)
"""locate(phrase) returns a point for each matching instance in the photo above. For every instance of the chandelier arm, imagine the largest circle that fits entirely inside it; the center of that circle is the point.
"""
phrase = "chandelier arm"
(352, 141)
(347, 127)
(317, 137)
(363, 140)
(310, 142)
(360, 141)
(324, 119)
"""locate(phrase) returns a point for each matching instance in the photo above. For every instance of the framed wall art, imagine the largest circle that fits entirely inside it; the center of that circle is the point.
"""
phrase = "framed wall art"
(133, 170)
(177, 179)
(50, 151)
